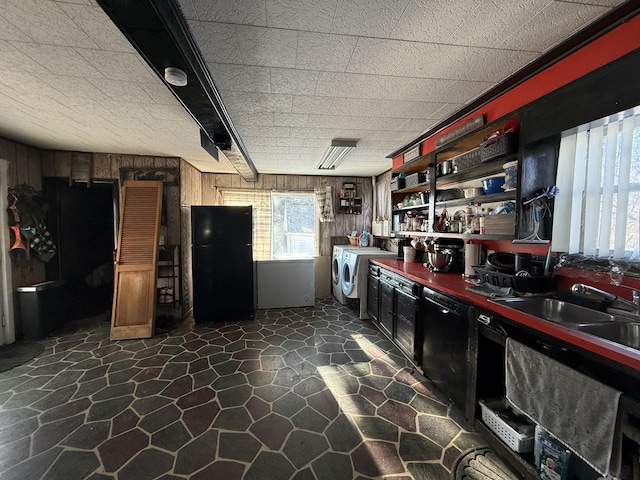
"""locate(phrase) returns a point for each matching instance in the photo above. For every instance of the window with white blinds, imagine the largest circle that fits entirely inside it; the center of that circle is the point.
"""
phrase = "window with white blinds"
(597, 209)
(284, 223)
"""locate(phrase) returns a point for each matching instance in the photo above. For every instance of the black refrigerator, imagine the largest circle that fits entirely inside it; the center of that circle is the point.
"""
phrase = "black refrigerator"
(222, 263)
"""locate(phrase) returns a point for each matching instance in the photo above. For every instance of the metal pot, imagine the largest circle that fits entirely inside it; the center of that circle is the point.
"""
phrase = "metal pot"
(446, 167)
(440, 261)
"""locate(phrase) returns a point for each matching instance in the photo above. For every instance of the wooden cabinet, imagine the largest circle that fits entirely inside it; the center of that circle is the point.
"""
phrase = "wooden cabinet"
(350, 201)
(441, 184)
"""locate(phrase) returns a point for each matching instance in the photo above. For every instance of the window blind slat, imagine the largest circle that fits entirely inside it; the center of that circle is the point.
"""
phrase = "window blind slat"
(592, 187)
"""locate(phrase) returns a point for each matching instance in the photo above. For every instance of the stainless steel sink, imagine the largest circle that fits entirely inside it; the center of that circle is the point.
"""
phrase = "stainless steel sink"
(624, 333)
(555, 310)
(622, 329)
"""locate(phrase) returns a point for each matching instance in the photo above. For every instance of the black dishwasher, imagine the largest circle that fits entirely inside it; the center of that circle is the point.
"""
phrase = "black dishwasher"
(449, 348)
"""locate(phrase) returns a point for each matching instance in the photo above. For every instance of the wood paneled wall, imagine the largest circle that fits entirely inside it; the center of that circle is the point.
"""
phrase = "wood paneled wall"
(190, 194)
(343, 225)
(24, 168)
(29, 165)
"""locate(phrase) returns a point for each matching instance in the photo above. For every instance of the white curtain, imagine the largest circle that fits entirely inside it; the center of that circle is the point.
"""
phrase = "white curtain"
(597, 209)
(325, 203)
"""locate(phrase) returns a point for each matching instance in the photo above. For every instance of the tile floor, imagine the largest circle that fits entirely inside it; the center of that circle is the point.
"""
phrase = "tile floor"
(298, 393)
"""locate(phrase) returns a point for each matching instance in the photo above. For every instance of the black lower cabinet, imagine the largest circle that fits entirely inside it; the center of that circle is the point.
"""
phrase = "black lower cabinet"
(407, 311)
(386, 318)
(399, 307)
(373, 292)
(449, 347)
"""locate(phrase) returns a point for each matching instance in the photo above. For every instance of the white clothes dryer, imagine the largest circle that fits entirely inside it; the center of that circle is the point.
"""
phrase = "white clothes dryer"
(355, 270)
(336, 272)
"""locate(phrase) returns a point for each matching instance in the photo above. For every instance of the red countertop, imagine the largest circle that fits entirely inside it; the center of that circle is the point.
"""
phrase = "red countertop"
(454, 284)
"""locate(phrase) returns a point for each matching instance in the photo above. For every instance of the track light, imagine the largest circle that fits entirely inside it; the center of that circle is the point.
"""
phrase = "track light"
(336, 153)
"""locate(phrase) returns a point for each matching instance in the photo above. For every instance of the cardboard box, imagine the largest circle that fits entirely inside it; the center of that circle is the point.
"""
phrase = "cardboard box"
(503, 224)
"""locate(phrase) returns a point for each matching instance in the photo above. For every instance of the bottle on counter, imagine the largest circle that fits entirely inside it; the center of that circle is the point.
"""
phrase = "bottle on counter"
(468, 218)
(475, 222)
(481, 220)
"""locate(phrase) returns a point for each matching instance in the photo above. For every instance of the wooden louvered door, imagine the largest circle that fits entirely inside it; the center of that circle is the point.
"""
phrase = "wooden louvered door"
(134, 296)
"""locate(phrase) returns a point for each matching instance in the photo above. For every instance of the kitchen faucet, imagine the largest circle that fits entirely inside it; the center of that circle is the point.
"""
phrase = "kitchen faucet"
(633, 305)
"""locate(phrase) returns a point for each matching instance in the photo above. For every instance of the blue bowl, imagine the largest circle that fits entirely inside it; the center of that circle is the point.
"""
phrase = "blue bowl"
(493, 185)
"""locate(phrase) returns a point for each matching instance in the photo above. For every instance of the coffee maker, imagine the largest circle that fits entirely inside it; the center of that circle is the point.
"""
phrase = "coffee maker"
(402, 242)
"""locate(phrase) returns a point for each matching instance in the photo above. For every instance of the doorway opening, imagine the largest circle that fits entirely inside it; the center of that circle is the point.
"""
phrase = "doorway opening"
(82, 220)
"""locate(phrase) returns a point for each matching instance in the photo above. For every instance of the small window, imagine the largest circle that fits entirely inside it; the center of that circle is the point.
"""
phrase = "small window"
(597, 211)
(284, 223)
(293, 221)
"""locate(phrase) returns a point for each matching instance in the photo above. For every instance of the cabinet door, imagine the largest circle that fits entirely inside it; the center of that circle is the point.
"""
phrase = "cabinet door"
(373, 290)
(406, 320)
(386, 314)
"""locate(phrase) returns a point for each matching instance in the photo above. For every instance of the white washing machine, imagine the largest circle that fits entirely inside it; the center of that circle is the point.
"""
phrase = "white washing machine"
(355, 270)
(336, 272)
(337, 262)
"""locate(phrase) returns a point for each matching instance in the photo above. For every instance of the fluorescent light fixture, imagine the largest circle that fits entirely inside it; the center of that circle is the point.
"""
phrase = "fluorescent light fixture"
(175, 76)
(336, 153)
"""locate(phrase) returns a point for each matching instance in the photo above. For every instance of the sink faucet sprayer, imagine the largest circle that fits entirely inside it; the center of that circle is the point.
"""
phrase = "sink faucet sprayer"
(633, 305)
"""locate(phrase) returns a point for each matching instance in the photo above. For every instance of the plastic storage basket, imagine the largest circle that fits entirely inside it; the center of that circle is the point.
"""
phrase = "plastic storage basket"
(518, 442)
(499, 146)
(414, 179)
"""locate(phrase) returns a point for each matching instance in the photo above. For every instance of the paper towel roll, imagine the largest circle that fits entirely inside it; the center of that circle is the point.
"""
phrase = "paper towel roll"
(471, 257)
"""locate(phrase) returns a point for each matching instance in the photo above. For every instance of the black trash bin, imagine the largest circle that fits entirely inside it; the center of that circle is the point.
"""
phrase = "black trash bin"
(41, 308)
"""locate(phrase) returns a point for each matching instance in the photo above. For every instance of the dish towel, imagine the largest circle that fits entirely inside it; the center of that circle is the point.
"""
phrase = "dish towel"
(580, 412)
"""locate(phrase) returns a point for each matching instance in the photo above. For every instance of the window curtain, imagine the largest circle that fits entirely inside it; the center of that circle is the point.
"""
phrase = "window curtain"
(597, 209)
(260, 200)
(325, 203)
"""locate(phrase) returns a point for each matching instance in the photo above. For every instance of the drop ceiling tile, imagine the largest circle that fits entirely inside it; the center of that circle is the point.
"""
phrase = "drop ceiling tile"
(45, 23)
(290, 119)
(362, 123)
(159, 92)
(271, 102)
(237, 101)
(491, 24)
(244, 12)
(324, 52)
(462, 63)
(9, 31)
(551, 25)
(433, 20)
(267, 46)
(262, 119)
(121, 91)
(255, 131)
(311, 104)
(608, 3)
(381, 57)
(218, 42)
(59, 60)
(119, 65)
(279, 150)
(296, 82)
(297, 143)
(368, 17)
(309, 15)
(314, 142)
(73, 90)
(13, 59)
(260, 141)
(14, 83)
(240, 78)
(95, 23)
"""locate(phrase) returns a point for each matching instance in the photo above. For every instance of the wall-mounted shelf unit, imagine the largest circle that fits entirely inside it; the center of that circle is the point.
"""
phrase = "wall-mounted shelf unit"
(350, 201)
(464, 159)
